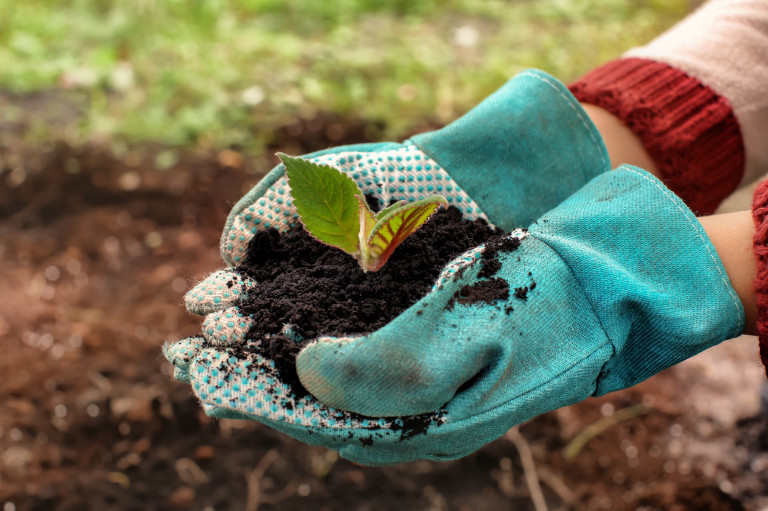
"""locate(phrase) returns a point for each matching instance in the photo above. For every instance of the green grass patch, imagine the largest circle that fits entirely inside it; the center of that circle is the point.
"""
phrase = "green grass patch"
(222, 73)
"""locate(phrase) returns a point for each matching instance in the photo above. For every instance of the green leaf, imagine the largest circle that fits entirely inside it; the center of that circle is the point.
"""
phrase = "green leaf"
(394, 227)
(325, 200)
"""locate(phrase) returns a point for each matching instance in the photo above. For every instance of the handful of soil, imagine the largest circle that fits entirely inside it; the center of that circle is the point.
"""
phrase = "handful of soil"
(320, 290)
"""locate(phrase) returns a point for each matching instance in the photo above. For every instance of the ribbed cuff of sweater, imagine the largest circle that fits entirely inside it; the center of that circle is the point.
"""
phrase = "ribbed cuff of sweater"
(760, 243)
(690, 132)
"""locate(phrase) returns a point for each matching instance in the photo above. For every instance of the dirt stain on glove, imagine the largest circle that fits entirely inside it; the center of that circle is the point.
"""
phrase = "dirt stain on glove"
(494, 289)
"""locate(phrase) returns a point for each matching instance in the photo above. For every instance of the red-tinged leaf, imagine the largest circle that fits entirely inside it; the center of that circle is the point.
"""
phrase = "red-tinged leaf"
(393, 228)
(384, 212)
(325, 200)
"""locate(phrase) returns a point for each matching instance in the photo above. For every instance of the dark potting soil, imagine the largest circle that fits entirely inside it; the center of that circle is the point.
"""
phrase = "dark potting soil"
(319, 290)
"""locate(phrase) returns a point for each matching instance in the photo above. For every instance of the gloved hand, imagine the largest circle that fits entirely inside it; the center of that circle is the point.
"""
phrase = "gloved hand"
(517, 154)
(617, 283)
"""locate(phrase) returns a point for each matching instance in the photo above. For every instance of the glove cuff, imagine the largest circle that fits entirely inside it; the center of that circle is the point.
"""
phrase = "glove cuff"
(759, 214)
(650, 271)
(507, 153)
(687, 128)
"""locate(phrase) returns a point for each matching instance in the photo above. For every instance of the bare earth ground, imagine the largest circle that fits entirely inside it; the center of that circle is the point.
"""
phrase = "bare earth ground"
(96, 255)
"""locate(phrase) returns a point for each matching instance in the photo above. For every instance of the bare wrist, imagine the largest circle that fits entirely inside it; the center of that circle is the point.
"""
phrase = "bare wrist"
(732, 234)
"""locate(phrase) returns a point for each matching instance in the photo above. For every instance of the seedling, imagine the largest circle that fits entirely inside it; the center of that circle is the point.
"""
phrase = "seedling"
(332, 208)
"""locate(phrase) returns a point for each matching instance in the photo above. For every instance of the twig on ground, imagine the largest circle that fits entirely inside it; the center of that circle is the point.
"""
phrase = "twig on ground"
(505, 478)
(285, 493)
(573, 448)
(190, 472)
(557, 485)
(529, 468)
(255, 495)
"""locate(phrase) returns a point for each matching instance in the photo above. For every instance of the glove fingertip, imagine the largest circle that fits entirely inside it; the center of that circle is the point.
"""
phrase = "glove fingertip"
(218, 291)
(369, 377)
(235, 239)
(228, 327)
(218, 412)
(318, 368)
(180, 354)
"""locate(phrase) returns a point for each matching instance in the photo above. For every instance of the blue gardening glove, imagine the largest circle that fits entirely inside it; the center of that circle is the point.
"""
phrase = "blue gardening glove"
(517, 154)
(617, 283)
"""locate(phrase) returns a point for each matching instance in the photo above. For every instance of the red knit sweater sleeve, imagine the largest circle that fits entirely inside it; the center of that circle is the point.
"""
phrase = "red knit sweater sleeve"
(760, 215)
(690, 132)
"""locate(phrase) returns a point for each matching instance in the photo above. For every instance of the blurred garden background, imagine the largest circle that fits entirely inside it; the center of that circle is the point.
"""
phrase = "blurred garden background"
(215, 74)
(128, 130)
